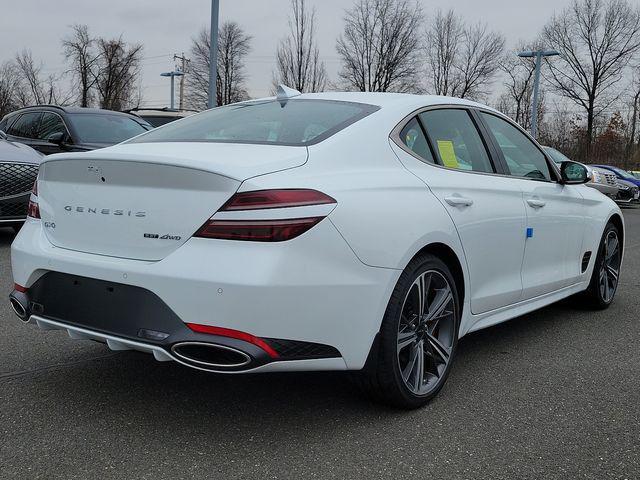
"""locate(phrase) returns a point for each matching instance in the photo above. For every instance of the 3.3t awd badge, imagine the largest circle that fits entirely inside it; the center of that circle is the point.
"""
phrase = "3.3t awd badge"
(163, 237)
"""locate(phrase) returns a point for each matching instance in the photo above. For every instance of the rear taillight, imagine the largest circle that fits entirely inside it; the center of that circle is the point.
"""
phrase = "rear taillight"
(261, 199)
(257, 230)
(33, 209)
(266, 230)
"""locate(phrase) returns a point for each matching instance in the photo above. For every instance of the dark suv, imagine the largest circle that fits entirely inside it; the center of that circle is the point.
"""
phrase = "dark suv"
(53, 129)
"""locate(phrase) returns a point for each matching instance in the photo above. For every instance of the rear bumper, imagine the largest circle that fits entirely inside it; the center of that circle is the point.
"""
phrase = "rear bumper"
(309, 290)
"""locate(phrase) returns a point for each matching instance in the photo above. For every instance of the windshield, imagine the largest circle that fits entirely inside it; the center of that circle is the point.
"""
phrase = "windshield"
(556, 156)
(105, 128)
(295, 122)
(623, 173)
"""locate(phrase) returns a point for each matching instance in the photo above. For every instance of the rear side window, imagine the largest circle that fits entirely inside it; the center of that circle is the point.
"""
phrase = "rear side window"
(295, 122)
(25, 126)
(413, 137)
(456, 140)
(522, 157)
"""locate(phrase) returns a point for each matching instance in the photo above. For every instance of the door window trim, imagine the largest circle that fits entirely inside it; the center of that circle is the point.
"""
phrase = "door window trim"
(495, 156)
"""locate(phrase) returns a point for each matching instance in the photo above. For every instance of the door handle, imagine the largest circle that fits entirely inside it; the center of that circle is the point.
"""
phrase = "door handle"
(458, 201)
(536, 202)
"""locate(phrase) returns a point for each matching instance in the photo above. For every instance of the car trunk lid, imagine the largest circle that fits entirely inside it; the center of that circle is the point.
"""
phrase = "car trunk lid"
(144, 203)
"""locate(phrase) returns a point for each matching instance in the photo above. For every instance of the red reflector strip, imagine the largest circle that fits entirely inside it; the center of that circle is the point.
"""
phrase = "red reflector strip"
(262, 199)
(20, 288)
(238, 335)
(257, 230)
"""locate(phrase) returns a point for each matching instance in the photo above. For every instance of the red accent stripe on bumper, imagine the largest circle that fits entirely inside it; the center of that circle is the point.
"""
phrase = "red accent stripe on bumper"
(238, 335)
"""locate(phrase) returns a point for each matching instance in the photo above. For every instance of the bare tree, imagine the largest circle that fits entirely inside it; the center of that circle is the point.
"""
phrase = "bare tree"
(462, 60)
(78, 49)
(8, 83)
(297, 58)
(31, 88)
(479, 60)
(233, 46)
(633, 104)
(442, 43)
(596, 39)
(379, 47)
(117, 73)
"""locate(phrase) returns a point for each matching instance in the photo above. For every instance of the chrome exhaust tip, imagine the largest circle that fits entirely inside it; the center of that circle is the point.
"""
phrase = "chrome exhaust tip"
(20, 305)
(210, 355)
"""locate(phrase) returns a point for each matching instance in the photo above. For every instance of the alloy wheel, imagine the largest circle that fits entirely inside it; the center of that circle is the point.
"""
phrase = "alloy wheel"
(610, 267)
(426, 332)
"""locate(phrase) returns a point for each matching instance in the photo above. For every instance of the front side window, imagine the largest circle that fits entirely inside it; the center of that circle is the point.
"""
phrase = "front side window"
(50, 124)
(104, 128)
(25, 126)
(298, 122)
(456, 140)
(522, 157)
(556, 156)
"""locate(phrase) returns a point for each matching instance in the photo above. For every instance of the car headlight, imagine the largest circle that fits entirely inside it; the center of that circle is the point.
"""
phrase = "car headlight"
(596, 177)
(623, 187)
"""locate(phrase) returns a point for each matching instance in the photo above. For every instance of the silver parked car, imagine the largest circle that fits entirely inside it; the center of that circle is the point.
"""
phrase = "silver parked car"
(601, 179)
(18, 171)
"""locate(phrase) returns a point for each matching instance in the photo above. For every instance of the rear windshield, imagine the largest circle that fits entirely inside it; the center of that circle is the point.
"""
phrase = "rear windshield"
(105, 128)
(159, 120)
(295, 122)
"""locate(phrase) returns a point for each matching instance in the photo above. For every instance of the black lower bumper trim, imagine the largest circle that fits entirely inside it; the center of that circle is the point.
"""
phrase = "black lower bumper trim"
(138, 314)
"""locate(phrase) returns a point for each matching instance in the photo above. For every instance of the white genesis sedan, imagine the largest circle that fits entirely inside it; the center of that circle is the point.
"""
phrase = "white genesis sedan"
(334, 231)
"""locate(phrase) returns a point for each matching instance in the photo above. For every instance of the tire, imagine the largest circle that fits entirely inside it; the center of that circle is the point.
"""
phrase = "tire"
(608, 261)
(392, 372)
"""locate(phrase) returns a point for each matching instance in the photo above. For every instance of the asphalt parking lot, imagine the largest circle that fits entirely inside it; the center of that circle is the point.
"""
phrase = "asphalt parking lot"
(553, 394)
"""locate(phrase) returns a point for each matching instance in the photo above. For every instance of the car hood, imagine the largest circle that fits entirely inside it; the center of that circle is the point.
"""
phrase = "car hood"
(13, 152)
(627, 183)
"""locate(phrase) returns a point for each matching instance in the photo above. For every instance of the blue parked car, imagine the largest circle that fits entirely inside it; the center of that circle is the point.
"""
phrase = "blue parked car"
(621, 174)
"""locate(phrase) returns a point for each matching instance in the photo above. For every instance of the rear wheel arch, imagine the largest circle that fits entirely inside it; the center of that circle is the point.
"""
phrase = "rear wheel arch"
(448, 256)
(616, 220)
(380, 375)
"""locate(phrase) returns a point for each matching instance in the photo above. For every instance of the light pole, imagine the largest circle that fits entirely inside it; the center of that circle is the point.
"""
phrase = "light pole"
(173, 75)
(538, 55)
(213, 53)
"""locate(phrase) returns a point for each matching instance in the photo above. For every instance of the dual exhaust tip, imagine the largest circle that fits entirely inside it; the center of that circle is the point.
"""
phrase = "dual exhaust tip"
(210, 356)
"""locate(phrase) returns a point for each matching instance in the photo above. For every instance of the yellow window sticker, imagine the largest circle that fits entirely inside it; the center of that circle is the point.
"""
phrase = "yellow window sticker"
(447, 153)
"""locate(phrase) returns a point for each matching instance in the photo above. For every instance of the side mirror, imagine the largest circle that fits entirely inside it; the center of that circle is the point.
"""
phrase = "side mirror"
(574, 173)
(59, 138)
(3, 136)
